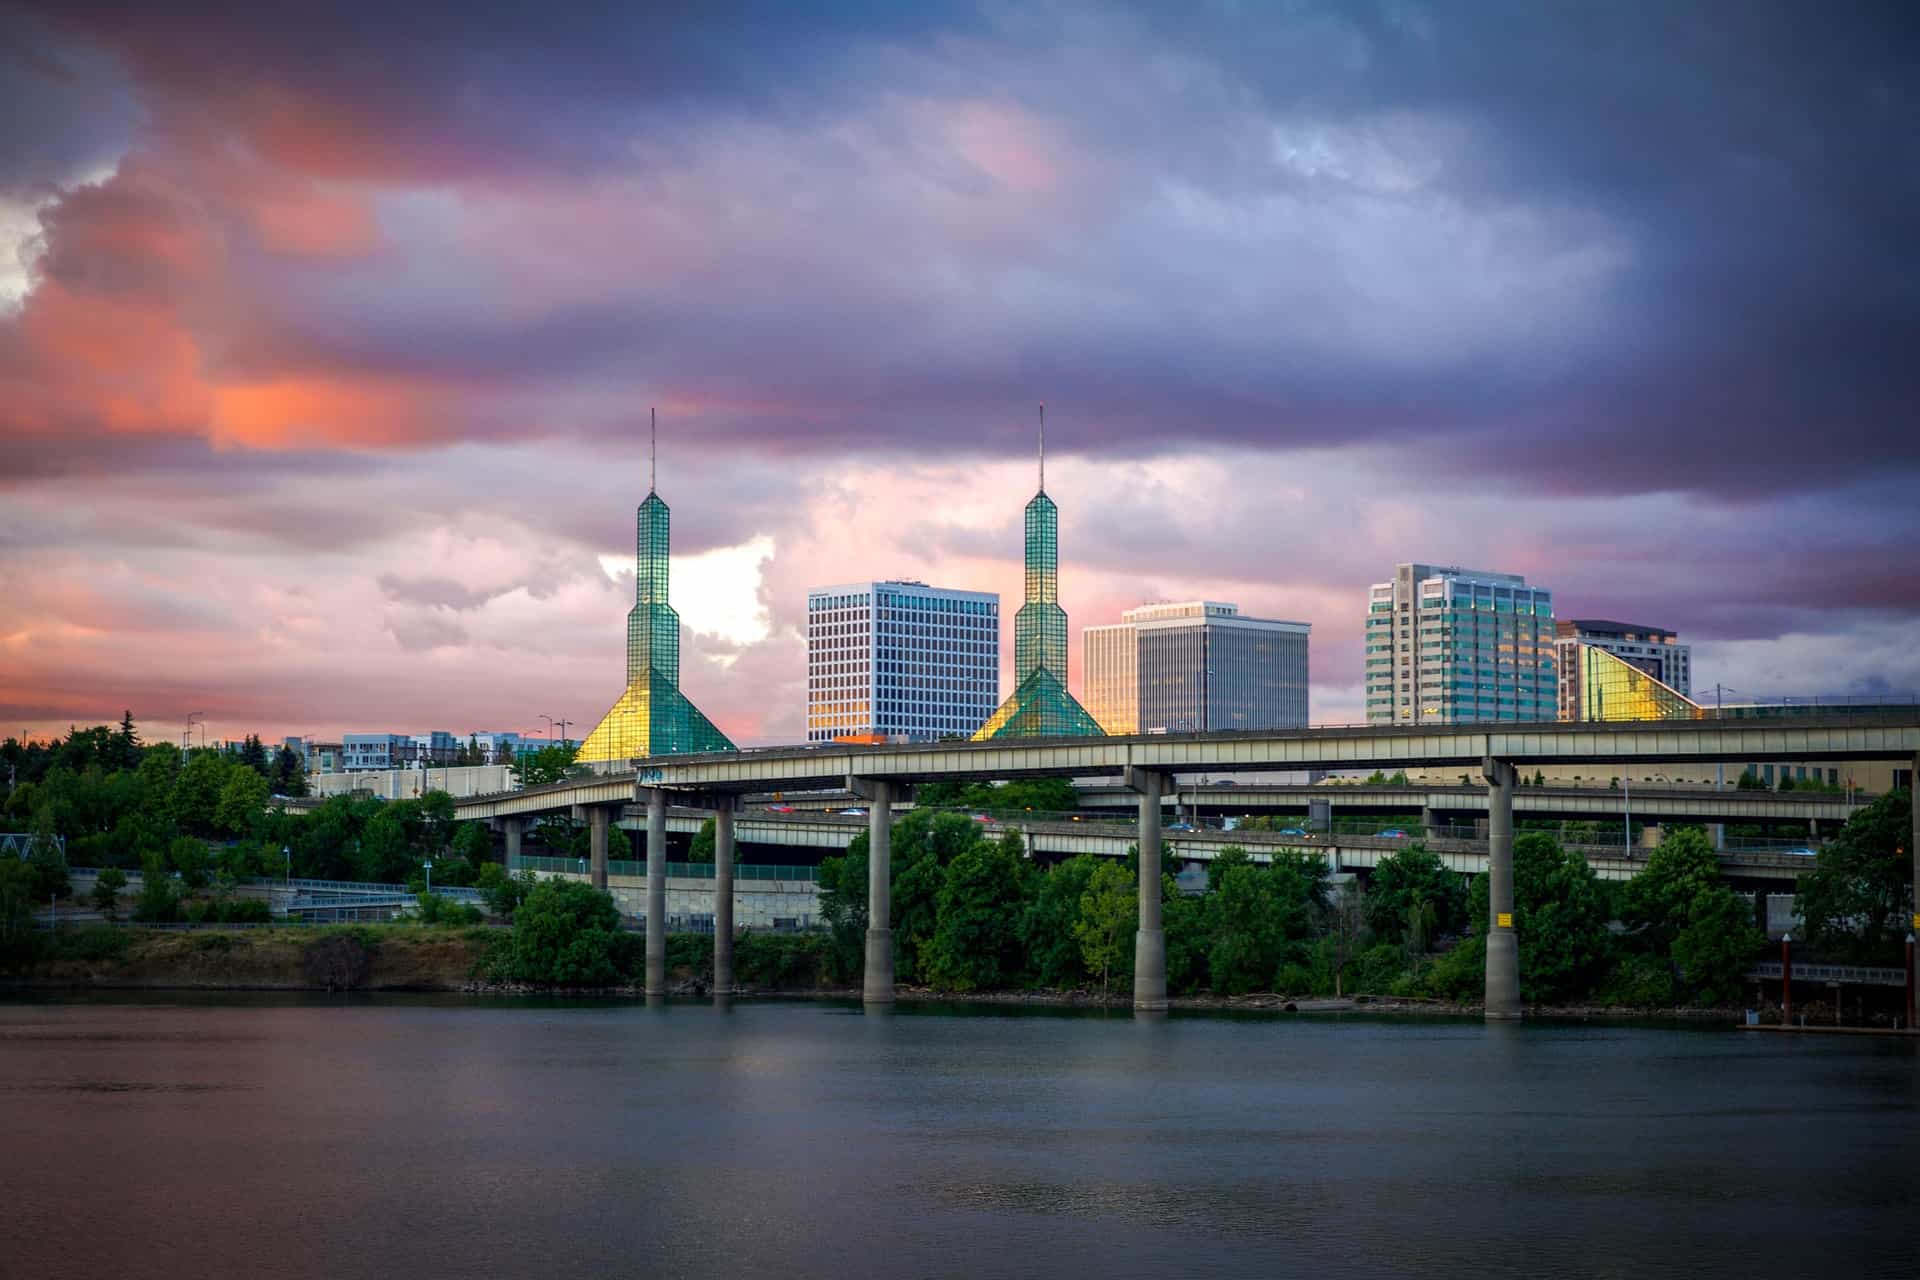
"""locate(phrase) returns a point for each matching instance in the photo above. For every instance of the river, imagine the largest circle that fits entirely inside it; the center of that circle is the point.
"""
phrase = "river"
(413, 1137)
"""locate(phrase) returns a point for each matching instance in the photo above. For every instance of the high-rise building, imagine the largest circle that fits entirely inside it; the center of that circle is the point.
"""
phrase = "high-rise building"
(900, 660)
(1040, 706)
(1194, 667)
(1654, 650)
(652, 717)
(1453, 646)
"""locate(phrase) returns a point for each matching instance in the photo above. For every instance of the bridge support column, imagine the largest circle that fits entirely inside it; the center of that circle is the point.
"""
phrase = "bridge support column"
(599, 818)
(513, 827)
(1503, 945)
(656, 891)
(723, 895)
(1150, 939)
(1427, 821)
(876, 987)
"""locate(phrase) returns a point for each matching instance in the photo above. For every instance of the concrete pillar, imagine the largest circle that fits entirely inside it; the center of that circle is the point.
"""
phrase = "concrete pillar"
(599, 818)
(878, 985)
(723, 895)
(1427, 821)
(1150, 939)
(656, 891)
(1913, 844)
(1717, 832)
(514, 826)
(1503, 946)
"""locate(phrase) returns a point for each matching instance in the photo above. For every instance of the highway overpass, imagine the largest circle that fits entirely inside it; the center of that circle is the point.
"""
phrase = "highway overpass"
(1150, 766)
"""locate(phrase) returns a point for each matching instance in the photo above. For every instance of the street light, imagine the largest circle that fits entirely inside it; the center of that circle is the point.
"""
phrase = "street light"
(429, 866)
(549, 720)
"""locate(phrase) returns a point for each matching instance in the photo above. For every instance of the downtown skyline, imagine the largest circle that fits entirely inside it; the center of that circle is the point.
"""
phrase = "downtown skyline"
(323, 393)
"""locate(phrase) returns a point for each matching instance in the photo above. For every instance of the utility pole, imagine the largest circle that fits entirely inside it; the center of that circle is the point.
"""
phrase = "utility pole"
(563, 729)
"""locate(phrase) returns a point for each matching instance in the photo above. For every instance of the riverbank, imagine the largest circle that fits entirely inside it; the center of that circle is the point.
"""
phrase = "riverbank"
(418, 959)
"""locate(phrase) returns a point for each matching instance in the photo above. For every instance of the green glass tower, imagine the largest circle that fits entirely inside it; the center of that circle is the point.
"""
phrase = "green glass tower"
(652, 717)
(1040, 706)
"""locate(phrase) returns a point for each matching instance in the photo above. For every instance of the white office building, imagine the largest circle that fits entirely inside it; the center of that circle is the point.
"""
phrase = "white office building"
(900, 661)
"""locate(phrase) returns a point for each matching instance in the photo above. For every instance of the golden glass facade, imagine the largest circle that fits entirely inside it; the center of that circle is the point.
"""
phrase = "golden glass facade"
(1613, 689)
(1040, 706)
(652, 717)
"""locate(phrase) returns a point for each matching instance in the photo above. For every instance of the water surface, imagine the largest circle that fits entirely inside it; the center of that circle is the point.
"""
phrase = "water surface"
(405, 1136)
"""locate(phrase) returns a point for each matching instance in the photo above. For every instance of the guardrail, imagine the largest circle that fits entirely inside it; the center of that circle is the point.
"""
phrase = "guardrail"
(1851, 974)
(680, 870)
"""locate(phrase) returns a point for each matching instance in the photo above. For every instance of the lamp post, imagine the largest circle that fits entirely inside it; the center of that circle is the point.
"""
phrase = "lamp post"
(549, 720)
(428, 864)
(1786, 980)
(286, 852)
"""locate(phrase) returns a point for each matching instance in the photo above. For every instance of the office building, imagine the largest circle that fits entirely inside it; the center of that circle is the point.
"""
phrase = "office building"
(1195, 667)
(1459, 646)
(1653, 650)
(370, 751)
(652, 717)
(1040, 706)
(900, 661)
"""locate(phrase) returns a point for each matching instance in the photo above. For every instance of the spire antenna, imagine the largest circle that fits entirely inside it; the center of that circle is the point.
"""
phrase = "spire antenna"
(1043, 446)
(653, 448)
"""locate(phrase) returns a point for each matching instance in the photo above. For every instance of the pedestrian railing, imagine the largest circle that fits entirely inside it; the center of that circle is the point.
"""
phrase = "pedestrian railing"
(679, 870)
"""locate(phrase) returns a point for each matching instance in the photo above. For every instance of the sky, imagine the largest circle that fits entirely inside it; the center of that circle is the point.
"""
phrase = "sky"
(328, 334)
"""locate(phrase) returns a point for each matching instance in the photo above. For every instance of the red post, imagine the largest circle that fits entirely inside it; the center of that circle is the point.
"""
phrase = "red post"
(1786, 980)
(1910, 978)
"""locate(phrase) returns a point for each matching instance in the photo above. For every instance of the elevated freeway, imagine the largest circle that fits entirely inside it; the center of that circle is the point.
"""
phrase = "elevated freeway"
(1149, 767)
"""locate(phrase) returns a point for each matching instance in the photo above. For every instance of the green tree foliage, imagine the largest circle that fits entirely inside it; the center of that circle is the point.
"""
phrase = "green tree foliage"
(197, 793)
(548, 764)
(253, 755)
(564, 935)
(843, 905)
(16, 911)
(1042, 795)
(1414, 888)
(1054, 951)
(243, 798)
(106, 891)
(975, 943)
(1185, 921)
(289, 775)
(1560, 914)
(1717, 943)
(192, 860)
(159, 899)
(1262, 918)
(925, 843)
(1109, 916)
(48, 863)
(472, 851)
(504, 893)
(701, 847)
(1858, 898)
(1748, 782)
(434, 909)
(1659, 901)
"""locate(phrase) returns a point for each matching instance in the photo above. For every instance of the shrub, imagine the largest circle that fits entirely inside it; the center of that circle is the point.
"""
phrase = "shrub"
(1638, 981)
(1461, 973)
(1378, 969)
(1293, 980)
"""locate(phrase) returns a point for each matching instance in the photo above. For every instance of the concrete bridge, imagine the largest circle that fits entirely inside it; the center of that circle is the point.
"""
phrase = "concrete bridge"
(1148, 767)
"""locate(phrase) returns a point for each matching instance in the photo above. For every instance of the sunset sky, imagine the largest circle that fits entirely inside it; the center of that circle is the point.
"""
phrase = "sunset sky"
(328, 334)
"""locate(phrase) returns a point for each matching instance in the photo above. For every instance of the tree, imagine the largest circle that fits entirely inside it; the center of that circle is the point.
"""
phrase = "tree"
(243, 797)
(548, 764)
(563, 935)
(701, 847)
(1262, 917)
(1747, 782)
(106, 891)
(843, 905)
(1347, 931)
(47, 862)
(197, 792)
(253, 754)
(924, 843)
(1048, 924)
(504, 893)
(1108, 916)
(1559, 914)
(1406, 881)
(190, 858)
(473, 846)
(1716, 944)
(289, 774)
(1660, 900)
(1857, 899)
(974, 944)
(159, 900)
(126, 744)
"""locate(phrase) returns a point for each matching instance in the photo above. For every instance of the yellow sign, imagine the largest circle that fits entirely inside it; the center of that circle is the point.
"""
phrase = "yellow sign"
(1916, 919)
(1504, 920)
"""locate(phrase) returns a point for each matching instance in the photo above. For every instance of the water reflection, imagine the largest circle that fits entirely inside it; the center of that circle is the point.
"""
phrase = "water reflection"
(428, 1137)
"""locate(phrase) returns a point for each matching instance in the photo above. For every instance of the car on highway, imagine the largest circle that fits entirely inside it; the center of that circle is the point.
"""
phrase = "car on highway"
(1180, 826)
(1291, 831)
(779, 808)
(853, 813)
(1393, 834)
